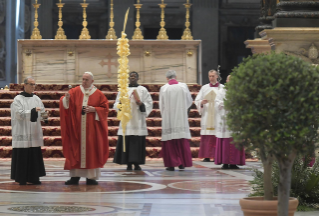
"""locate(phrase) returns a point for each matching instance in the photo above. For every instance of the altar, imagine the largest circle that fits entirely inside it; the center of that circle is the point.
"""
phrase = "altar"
(65, 61)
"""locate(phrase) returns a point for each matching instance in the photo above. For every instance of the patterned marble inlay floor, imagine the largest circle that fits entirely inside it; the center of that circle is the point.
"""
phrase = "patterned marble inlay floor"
(203, 189)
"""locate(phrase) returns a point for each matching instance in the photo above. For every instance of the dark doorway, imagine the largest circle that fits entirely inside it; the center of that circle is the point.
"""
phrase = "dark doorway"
(236, 50)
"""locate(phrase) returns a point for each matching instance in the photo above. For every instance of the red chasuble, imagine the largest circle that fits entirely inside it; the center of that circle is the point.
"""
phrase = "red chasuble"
(84, 139)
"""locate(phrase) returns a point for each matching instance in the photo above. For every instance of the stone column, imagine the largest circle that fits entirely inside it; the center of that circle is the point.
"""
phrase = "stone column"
(297, 13)
(2, 41)
(14, 30)
(205, 27)
(120, 8)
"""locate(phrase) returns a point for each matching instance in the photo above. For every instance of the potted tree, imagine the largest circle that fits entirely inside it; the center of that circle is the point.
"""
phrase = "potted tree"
(273, 106)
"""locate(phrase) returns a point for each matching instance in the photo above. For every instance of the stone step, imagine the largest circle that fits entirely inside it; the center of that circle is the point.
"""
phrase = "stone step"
(112, 121)
(5, 103)
(105, 87)
(57, 141)
(56, 131)
(46, 95)
(54, 112)
(56, 152)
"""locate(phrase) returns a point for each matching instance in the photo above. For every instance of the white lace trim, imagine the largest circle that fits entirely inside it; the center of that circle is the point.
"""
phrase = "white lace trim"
(174, 130)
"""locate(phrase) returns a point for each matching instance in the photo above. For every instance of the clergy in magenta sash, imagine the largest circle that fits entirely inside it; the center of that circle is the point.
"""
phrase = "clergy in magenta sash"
(136, 129)
(27, 136)
(204, 102)
(226, 151)
(174, 101)
(83, 113)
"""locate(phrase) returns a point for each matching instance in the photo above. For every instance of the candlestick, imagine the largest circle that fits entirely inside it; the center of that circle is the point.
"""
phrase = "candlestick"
(111, 35)
(138, 33)
(85, 32)
(162, 35)
(187, 32)
(36, 32)
(60, 33)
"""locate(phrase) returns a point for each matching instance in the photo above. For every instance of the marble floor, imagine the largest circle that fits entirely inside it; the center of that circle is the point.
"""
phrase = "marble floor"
(203, 189)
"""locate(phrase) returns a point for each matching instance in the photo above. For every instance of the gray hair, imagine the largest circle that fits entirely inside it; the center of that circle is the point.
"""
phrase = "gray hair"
(27, 78)
(219, 78)
(90, 73)
(171, 74)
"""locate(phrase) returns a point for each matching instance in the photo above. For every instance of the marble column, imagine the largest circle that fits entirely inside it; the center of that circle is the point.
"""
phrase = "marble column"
(2, 40)
(14, 30)
(205, 27)
(120, 8)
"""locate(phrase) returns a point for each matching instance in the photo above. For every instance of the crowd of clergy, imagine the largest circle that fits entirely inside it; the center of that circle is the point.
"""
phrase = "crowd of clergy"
(84, 130)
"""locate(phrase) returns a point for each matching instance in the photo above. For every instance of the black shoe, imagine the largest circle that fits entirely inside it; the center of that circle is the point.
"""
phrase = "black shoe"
(225, 166)
(36, 183)
(170, 169)
(129, 167)
(206, 160)
(22, 183)
(73, 181)
(137, 167)
(232, 166)
(91, 182)
(181, 167)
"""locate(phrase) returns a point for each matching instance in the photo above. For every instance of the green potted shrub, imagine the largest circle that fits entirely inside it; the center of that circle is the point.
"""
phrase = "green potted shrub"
(273, 106)
(304, 182)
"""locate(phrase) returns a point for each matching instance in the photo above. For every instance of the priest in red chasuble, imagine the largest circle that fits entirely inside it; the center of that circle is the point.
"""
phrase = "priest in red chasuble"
(83, 112)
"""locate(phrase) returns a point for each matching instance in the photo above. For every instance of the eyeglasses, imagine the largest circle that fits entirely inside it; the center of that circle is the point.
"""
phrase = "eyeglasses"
(32, 84)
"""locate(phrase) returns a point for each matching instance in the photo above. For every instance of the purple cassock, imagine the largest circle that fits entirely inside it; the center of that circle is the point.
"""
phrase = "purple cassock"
(208, 138)
(226, 151)
(175, 99)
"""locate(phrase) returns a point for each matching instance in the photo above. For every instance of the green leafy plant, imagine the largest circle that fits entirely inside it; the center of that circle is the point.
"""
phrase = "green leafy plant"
(304, 183)
(273, 106)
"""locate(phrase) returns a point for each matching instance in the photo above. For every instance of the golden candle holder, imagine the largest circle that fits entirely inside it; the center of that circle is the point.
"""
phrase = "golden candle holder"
(85, 32)
(162, 35)
(111, 35)
(36, 32)
(138, 33)
(187, 35)
(60, 35)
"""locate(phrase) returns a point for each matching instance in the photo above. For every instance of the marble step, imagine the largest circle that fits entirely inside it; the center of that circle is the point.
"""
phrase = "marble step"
(5, 103)
(112, 121)
(56, 131)
(56, 95)
(56, 152)
(57, 141)
(105, 87)
(54, 112)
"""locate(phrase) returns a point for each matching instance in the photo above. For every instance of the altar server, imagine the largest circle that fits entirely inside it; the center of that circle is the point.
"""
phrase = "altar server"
(83, 113)
(174, 101)
(27, 138)
(205, 105)
(136, 129)
(226, 152)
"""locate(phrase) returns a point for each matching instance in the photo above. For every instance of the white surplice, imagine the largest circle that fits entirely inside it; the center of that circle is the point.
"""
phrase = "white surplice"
(203, 109)
(222, 130)
(26, 134)
(137, 125)
(174, 102)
